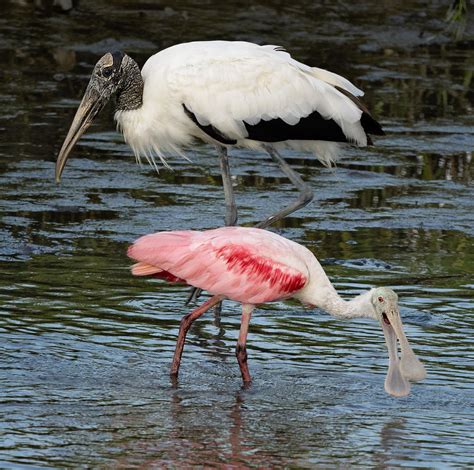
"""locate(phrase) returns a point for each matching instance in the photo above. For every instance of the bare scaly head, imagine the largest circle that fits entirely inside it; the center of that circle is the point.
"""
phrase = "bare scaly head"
(113, 73)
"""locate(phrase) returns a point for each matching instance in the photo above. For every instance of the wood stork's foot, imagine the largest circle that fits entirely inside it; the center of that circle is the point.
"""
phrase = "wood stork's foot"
(217, 312)
(184, 326)
(306, 193)
(194, 294)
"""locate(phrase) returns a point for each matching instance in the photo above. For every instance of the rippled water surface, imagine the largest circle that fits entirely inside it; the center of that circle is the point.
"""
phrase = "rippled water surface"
(85, 348)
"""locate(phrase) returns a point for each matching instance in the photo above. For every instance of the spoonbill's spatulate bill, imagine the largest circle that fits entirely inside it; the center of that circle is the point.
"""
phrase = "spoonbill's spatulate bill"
(227, 94)
(254, 266)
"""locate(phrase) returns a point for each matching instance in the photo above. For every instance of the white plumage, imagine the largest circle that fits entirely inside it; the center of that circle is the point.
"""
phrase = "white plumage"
(226, 84)
(227, 94)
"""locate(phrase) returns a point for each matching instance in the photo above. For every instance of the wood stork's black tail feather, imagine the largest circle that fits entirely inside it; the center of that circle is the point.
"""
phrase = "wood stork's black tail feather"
(369, 124)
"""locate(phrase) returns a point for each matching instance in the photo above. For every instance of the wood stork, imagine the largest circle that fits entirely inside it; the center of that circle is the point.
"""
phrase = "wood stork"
(254, 266)
(227, 94)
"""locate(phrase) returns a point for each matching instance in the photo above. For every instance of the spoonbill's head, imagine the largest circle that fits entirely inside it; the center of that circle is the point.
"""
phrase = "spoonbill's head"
(109, 76)
(385, 303)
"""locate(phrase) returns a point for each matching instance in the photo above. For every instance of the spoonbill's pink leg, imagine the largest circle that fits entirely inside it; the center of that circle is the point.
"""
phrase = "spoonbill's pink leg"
(241, 350)
(186, 323)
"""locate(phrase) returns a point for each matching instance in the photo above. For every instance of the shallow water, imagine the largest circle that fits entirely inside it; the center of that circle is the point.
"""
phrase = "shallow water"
(85, 348)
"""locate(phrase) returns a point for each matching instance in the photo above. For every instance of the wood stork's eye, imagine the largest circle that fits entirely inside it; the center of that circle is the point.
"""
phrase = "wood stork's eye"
(107, 71)
(380, 299)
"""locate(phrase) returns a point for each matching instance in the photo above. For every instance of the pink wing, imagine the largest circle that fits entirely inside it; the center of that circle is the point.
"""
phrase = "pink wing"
(244, 264)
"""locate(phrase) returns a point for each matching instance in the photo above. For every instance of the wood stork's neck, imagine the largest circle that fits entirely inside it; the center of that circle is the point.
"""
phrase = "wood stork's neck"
(130, 92)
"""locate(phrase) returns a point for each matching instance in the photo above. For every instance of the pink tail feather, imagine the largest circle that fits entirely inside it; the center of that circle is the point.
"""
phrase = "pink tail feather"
(144, 269)
(158, 252)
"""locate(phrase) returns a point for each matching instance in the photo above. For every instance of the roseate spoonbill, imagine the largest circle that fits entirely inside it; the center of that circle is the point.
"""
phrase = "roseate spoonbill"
(226, 93)
(253, 266)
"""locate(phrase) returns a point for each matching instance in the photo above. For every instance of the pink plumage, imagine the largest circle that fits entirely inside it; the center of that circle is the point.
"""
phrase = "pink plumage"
(254, 266)
(248, 265)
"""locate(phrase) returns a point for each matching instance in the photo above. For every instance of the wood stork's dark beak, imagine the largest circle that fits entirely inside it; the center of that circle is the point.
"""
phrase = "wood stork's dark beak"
(92, 102)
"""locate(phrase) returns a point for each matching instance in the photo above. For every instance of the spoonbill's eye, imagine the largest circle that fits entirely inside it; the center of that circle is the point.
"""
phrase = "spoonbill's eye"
(107, 72)
(380, 299)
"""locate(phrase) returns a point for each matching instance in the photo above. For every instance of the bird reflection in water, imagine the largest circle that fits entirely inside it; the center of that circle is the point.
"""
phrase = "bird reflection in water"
(392, 436)
(194, 439)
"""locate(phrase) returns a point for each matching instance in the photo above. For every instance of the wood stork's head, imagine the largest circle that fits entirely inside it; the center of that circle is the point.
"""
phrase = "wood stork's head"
(114, 74)
(385, 303)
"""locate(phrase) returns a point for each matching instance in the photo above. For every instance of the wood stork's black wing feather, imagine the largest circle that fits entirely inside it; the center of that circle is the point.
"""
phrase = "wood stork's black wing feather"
(210, 130)
(312, 127)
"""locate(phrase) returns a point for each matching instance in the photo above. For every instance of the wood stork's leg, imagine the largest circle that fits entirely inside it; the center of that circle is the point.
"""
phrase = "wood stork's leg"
(230, 209)
(241, 349)
(186, 323)
(306, 193)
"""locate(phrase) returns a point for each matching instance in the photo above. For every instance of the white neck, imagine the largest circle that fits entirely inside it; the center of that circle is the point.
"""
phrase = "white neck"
(359, 306)
(320, 292)
(326, 298)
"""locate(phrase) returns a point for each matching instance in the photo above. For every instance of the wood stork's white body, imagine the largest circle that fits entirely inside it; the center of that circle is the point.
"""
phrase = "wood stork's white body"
(226, 93)
(226, 84)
